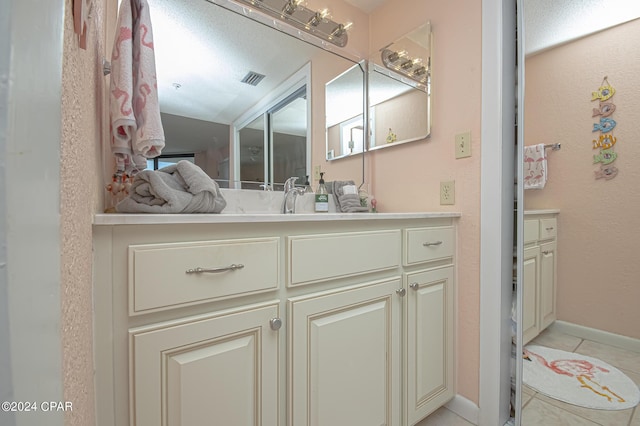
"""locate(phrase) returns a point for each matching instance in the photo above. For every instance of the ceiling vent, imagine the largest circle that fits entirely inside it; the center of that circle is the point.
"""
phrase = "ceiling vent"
(252, 78)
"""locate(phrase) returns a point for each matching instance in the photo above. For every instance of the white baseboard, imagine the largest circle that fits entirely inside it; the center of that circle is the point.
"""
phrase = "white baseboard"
(464, 408)
(595, 335)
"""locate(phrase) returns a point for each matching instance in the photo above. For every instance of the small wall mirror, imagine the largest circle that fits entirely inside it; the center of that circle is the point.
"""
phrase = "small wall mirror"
(344, 104)
(399, 90)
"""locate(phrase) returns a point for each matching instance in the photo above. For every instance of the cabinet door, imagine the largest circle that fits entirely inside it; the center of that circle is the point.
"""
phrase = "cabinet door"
(530, 294)
(344, 354)
(548, 261)
(429, 354)
(206, 370)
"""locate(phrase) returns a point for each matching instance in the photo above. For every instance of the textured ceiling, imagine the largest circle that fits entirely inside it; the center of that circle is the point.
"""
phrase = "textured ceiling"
(549, 23)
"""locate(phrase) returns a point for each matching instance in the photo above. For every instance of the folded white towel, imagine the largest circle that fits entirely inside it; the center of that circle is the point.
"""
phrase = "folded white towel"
(179, 188)
(136, 127)
(535, 167)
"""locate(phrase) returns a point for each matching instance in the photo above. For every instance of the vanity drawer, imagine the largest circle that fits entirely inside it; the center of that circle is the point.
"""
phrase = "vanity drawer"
(428, 244)
(313, 258)
(531, 229)
(161, 276)
(548, 228)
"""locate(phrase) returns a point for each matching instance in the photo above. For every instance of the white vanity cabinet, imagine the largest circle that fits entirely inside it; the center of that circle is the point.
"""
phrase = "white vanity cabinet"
(428, 320)
(270, 320)
(222, 367)
(539, 272)
(345, 356)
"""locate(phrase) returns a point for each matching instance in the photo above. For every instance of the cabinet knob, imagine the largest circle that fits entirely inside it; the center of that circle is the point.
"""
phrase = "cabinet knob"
(414, 286)
(401, 292)
(275, 323)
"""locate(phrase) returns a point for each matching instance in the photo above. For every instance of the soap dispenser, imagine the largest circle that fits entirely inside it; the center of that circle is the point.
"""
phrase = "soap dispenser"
(322, 196)
(307, 186)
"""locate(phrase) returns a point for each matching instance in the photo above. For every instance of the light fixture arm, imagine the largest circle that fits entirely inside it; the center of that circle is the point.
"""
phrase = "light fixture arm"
(299, 16)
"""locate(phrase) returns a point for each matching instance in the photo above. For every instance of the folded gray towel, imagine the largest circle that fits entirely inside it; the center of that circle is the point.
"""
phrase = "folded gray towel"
(350, 203)
(179, 188)
(347, 203)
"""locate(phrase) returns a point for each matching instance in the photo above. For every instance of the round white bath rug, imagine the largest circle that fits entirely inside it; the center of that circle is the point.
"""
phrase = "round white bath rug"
(578, 379)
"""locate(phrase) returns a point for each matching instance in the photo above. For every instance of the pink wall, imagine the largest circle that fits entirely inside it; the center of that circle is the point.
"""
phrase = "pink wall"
(599, 221)
(83, 117)
(407, 177)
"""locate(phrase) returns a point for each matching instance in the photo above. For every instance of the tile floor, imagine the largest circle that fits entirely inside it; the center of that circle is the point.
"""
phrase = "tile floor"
(539, 410)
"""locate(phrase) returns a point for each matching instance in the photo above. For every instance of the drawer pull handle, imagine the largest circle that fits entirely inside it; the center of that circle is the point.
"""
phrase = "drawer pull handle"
(437, 243)
(199, 270)
(401, 292)
(549, 229)
(546, 252)
(414, 286)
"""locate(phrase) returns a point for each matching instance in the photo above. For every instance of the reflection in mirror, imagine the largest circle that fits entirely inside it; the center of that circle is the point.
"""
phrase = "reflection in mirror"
(399, 90)
(345, 114)
(288, 128)
(595, 302)
(203, 52)
(398, 109)
(251, 140)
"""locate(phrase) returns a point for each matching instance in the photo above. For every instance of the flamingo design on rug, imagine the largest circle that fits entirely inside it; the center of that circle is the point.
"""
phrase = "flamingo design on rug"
(581, 369)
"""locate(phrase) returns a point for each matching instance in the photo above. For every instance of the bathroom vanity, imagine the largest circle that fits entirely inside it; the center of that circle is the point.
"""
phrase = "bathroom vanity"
(271, 319)
(539, 272)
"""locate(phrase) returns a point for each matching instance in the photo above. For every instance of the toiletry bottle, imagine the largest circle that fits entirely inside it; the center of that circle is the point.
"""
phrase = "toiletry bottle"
(307, 186)
(322, 196)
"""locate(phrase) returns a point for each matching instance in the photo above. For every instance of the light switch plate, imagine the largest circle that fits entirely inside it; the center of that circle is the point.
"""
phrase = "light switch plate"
(463, 145)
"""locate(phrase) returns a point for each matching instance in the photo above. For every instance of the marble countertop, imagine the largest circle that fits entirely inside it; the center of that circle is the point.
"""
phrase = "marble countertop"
(154, 219)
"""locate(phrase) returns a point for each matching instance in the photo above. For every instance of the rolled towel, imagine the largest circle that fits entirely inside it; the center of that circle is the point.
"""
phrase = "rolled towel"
(179, 188)
(350, 203)
(337, 188)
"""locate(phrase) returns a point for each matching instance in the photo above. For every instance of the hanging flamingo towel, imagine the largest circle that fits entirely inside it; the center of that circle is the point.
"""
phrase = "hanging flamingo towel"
(136, 127)
(535, 167)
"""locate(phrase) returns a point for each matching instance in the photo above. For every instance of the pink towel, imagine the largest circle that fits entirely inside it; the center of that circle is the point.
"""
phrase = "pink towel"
(535, 167)
(136, 127)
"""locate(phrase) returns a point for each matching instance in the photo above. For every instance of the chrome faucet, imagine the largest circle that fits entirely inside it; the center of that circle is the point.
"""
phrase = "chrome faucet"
(291, 191)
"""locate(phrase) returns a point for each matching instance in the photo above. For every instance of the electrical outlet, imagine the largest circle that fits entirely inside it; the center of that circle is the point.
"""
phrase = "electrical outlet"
(463, 145)
(448, 193)
(316, 173)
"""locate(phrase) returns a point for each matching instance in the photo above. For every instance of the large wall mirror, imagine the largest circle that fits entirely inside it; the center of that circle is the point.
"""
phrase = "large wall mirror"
(593, 44)
(235, 93)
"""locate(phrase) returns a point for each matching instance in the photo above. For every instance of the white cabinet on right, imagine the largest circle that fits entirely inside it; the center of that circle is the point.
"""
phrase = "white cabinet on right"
(539, 273)
(428, 356)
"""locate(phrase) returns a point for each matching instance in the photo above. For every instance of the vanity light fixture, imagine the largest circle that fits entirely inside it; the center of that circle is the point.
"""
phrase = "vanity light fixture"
(295, 13)
(401, 62)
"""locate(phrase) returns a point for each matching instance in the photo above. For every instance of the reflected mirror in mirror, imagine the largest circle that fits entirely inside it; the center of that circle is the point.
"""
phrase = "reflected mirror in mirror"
(345, 114)
(252, 154)
(288, 124)
(203, 53)
(399, 90)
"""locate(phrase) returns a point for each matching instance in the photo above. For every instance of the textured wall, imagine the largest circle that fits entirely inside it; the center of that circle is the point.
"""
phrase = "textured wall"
(599, 220)
(81, 194)
(407, 177)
